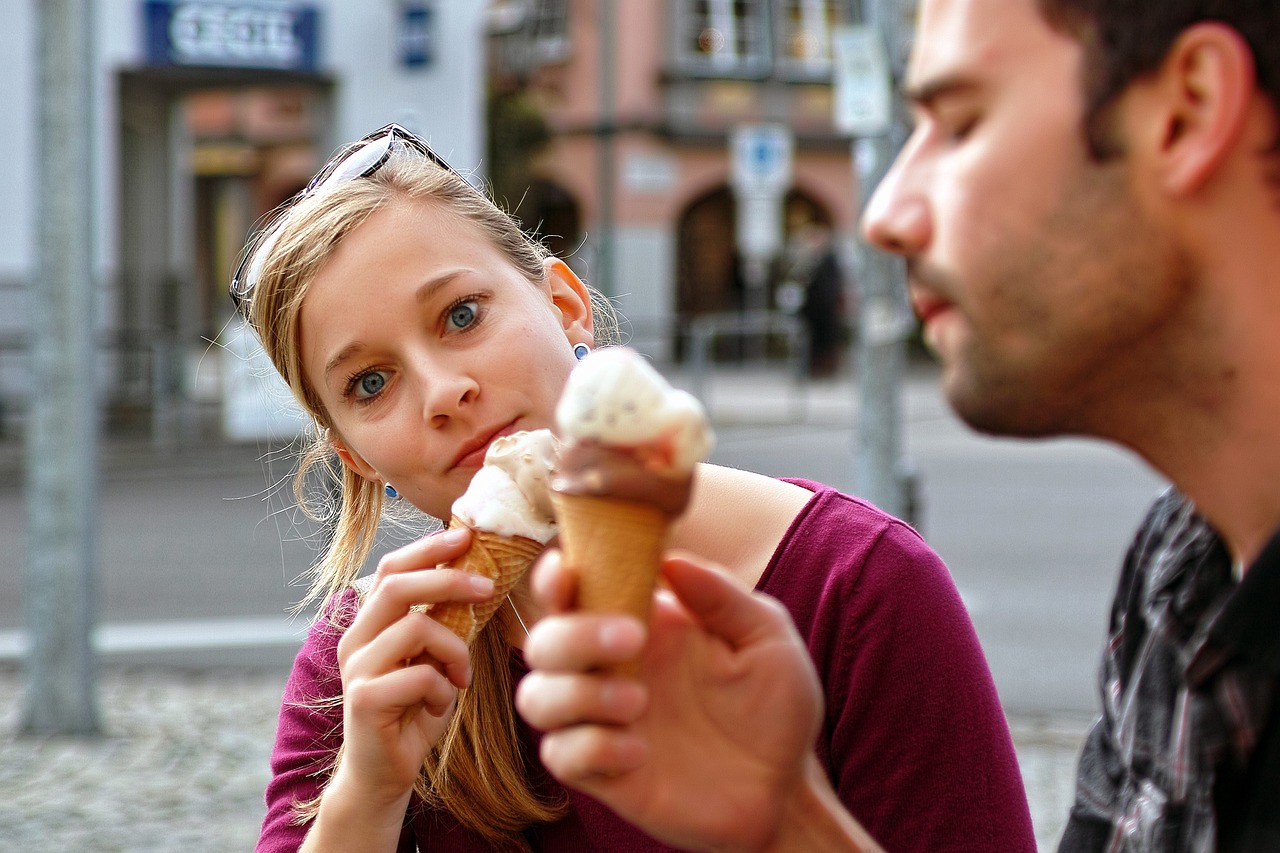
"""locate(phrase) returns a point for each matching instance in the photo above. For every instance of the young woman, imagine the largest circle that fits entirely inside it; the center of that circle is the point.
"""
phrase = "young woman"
(415, 322)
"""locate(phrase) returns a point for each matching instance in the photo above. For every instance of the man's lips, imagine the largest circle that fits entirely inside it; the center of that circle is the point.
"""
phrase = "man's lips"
(471, 453)
(928, 305)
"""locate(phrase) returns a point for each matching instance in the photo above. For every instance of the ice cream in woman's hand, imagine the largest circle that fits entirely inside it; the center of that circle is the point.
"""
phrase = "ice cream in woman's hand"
(508, 509)
(631, 443)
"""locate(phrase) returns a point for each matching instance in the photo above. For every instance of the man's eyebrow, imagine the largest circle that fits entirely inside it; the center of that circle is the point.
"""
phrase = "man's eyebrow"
(925, 94)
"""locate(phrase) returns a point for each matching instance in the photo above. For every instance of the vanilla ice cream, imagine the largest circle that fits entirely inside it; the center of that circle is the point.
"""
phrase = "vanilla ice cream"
(614, 397)
(508, 496)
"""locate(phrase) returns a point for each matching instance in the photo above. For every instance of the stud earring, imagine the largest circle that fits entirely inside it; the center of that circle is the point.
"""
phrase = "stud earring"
(580, 351)
(391, 492)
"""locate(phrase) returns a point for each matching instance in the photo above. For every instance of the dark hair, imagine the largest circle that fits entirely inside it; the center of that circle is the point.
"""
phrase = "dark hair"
(1124, 39)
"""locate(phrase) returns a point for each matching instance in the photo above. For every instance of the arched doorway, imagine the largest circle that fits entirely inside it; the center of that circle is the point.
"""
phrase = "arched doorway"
(708, 276)
(549, 211)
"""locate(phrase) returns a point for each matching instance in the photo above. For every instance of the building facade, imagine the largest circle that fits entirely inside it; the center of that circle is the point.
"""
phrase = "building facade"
(642, 99)
(206, 115)
(209, 113)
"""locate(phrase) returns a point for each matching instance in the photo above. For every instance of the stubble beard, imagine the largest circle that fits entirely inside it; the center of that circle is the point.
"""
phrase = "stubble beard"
(1087, 305)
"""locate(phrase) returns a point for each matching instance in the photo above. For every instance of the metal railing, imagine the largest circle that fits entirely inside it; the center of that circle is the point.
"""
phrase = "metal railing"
(141, 371)
(754, 331)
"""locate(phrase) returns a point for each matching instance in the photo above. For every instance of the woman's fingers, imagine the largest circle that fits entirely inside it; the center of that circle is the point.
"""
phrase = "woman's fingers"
(393, 595)
(418, 685)
(414, 638)
(427, 552)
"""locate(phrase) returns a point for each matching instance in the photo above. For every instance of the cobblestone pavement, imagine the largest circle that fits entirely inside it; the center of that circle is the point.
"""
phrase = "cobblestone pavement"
(181, 769)
(183, 764)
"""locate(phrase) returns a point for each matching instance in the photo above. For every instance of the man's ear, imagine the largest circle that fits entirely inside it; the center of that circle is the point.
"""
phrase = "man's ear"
(570, 297)
(1202, 94)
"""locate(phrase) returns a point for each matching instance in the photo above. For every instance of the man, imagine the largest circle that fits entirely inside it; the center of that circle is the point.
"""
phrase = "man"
(1089, 207)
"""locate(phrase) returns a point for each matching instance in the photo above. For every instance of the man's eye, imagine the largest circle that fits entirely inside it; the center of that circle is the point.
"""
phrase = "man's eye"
(960, 130)
(462, 314)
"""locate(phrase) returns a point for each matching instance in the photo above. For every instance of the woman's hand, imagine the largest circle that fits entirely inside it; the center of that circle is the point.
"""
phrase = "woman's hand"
(401, 672)
(711, 748)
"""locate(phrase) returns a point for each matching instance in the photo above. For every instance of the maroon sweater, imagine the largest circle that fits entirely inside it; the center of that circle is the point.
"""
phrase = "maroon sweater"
(914, 739)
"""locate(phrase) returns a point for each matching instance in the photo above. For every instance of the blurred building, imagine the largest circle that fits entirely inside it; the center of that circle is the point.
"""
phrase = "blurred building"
(611, 128)
(206, 116)
(641, 99)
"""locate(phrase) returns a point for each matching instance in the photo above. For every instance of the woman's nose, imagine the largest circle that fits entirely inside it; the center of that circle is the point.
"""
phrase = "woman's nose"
(447, 396)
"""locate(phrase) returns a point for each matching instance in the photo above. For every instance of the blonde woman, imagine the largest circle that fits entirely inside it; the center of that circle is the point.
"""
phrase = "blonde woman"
(415, 322)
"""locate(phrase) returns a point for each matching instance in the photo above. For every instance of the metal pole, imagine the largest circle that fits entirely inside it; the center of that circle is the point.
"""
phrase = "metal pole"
(881, 474)
(607, 128)
(61, 432)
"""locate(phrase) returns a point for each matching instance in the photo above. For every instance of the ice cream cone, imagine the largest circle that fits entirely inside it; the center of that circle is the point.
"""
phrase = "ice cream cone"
(503, 559)
(614, 547)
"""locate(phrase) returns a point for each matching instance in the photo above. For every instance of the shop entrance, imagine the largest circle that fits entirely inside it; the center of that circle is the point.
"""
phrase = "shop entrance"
(202, 155)
(708, 274)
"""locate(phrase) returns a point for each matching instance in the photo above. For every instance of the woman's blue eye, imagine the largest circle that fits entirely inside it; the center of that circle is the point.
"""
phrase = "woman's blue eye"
(462, 314)
(370, 384)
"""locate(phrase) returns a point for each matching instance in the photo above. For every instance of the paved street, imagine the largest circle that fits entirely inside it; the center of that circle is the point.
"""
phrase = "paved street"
(198, 551)
(184, 763)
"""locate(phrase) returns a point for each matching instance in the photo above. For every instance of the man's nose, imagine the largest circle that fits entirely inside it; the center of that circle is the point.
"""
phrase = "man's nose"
(897, 219)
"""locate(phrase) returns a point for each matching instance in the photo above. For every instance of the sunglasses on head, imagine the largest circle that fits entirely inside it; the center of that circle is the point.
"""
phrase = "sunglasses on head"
(360, 159)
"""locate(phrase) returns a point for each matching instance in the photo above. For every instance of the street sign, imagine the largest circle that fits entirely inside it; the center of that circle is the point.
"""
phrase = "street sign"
(759, 226)
(863, 83)
(761, 155)
(241, 34)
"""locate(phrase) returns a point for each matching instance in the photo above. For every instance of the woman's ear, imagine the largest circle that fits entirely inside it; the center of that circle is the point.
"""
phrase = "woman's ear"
(570, 297)
(351, 459)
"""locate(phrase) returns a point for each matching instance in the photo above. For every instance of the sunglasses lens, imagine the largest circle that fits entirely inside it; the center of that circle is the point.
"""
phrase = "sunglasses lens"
(360, 161)
(363, 160)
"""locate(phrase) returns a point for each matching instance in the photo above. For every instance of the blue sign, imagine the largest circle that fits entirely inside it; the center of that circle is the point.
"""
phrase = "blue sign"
(417, 35)
(240, 35)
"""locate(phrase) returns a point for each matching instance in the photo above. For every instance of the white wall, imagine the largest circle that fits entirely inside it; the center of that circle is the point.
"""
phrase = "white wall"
(18, 121)
(444, 101)
(644, 268)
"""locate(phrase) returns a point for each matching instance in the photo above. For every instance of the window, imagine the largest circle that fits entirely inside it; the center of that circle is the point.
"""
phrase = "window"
(723, 36)
(549, 26)
(804, 30)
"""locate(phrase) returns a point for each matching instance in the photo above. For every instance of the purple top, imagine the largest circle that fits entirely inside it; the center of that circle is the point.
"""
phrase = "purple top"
(914, 739)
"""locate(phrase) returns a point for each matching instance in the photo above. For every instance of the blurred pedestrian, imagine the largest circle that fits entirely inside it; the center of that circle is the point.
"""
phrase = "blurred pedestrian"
(416, 324)
(1089, 208)
(812, 266)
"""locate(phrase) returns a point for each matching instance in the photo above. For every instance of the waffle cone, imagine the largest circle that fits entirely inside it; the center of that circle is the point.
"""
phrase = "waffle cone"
(614, 547)
(503, 559)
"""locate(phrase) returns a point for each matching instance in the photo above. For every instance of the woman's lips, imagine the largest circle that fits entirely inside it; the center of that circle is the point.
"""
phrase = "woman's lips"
(472, 453)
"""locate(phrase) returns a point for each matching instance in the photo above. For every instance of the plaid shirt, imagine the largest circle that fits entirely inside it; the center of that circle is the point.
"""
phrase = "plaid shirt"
(1186, 755)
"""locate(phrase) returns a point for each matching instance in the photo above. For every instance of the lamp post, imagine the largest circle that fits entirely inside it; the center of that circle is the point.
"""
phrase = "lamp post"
(605, 148)
(61, 432)
(864, 65)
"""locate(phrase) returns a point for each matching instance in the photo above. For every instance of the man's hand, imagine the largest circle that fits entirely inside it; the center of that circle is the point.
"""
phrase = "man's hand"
(711, 746)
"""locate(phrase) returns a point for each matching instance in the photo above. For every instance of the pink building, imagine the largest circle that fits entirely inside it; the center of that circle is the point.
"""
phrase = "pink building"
(641, 98)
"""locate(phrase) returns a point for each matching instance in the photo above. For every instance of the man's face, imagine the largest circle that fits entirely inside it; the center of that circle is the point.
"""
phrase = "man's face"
(1043, 285)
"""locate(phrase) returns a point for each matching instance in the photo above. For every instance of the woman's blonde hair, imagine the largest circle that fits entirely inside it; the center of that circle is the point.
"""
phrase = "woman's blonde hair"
(477, 771)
